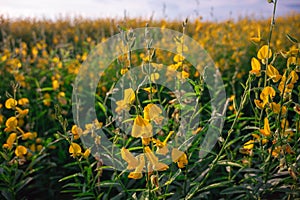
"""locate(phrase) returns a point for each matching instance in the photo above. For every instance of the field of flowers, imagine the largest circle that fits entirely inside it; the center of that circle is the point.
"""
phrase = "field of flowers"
(43, 151)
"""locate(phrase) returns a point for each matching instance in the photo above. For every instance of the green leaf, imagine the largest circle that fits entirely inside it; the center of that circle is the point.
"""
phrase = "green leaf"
(292, 39)
(71, 176)
(173, 177)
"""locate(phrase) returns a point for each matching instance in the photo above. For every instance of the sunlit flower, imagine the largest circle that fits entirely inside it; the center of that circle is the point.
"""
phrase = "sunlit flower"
(21, 151)
(249, 145)
(179, 157)
(150, 90)
(23, 101)
(258, 104)
(129, 158)
(141, 128)
(263, 54)
(256, 67)
(156, 165)
(55, 84)
(276, 108)
(75, 150)
(266, 131)
(27, 136)
(273, 73)
(22, 113)
(267, 93)
(162, 147)
(86, 153)
(258, 38)
(10, 141)
(124, 104)
(11, 124)
(76, 131)
(47, 99)
(10, 103)
(137, 173)
(154, 77)
(152, 112)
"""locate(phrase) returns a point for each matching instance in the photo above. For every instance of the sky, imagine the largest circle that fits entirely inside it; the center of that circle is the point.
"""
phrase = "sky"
(215, 10)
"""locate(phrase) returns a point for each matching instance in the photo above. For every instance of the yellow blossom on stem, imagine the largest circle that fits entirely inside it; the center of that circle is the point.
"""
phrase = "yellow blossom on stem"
(267, 93)
(258, 38)
(129, 158)
(263, 54)
(150, 90)
(124, 104)
(10, 103)
(21, 151)
(10, 141)
(266, 131)
(11, 124)
(256, 67)
(249, 145)
(76, 131)
(153, 112)
(273, 73)
(75, 150)
(86, 153)
(179, 157)
(156, 165)
(141, 128)
(162, 146)
(23, 101)
(137, 173)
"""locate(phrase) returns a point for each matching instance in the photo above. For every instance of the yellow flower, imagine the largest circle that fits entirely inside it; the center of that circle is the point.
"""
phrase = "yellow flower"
(256, 67)
(179, 157)
(152, 112)
(11, 124)
(156, 165)
(266, 131)
(267, 92)
(154, 77)
(23, 101)
(178, 58)
(258, 104)
(10, 141)
(297, 109)
(162, 146)
(150, 90)
(22, 113)
(76, 131)
(86, 153)
(124, 70)
(20, 151)
(28, 135)
(276, 108)
(249, 145)
(137, 173)
(293, 77)
(273, 73)
(184, 74)
(258, 38)
(75, 150)
(263, 54)
(10, 103)
(55, 84)
(141, 128)
(124, 104)
(276, 151)
(47, 99)
(129, 158)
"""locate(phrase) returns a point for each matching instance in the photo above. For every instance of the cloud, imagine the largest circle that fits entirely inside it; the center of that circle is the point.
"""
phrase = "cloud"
(174, 9)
